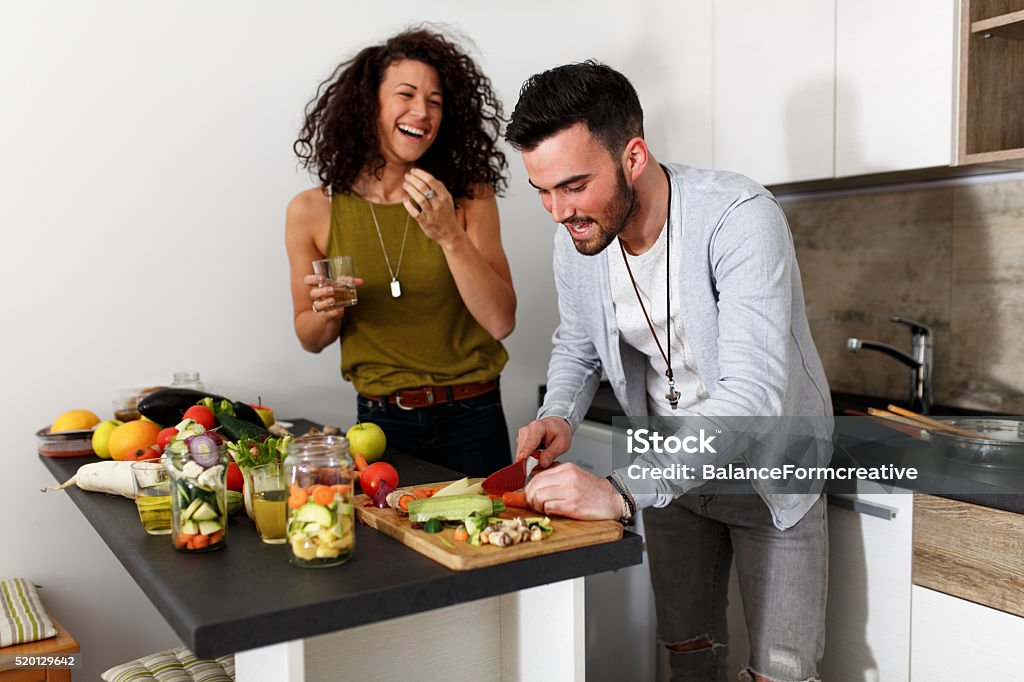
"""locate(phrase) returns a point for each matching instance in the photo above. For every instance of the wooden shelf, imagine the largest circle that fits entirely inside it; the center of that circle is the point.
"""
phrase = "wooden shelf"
(1004, 26)
(991, 98)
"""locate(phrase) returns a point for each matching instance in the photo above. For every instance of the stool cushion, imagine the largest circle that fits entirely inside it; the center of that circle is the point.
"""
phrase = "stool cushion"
(22, 616)
(173, 665)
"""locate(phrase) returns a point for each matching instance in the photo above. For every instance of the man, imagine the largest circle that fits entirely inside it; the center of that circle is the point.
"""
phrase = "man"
(682, 285)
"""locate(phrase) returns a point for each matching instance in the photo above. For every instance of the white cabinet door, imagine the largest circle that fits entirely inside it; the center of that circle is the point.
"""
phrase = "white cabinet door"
(774, 70)
(867, 632)
(955, 639)
(895, 76)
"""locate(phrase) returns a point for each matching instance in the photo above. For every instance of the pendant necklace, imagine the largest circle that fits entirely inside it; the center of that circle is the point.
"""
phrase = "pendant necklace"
(396, 288)
(672, 396)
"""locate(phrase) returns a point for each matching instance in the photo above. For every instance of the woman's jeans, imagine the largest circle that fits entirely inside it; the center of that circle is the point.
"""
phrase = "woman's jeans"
(782, 578)
(469, 436)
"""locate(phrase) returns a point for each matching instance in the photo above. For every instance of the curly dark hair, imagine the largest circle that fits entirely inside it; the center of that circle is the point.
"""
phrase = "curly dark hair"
(339, 138)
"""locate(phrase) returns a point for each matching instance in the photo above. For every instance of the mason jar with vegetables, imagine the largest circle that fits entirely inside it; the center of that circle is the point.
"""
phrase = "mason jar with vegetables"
(321, 519)
(197, 465)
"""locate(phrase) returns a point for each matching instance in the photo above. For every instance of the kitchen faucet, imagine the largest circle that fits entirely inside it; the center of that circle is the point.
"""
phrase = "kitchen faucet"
(920, 362)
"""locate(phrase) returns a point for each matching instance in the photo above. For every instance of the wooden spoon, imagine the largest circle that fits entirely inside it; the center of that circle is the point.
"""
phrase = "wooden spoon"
(934, 425)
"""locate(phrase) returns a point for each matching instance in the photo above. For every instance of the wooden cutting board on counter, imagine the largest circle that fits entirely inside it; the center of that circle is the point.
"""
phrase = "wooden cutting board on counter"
(462, 556)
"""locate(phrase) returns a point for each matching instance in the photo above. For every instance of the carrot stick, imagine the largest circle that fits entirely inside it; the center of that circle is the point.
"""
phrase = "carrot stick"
(360, 462)
(515, 499)
(404, 501)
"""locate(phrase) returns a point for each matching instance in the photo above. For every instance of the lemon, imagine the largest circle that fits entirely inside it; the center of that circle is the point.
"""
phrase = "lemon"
(74, 420)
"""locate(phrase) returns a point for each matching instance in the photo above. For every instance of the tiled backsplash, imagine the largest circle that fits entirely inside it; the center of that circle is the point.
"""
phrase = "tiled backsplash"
(950, 256)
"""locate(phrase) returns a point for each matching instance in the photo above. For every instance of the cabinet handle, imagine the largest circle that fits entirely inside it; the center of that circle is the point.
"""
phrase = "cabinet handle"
(862, 507)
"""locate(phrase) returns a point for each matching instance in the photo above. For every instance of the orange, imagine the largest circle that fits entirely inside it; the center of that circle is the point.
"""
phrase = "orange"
(74, 420)
(131, 440)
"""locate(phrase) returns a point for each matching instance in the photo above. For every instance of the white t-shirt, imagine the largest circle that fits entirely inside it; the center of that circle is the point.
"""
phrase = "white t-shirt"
(649, 271)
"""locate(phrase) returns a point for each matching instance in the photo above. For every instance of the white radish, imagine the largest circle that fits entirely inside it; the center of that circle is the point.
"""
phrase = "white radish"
(114, 478)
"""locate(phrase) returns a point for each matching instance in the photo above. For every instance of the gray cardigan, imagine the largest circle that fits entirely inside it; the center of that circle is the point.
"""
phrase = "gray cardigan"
(742, 314)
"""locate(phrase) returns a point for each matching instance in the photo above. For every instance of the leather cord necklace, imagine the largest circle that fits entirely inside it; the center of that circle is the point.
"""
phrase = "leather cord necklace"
(396, 288)
(672, 396)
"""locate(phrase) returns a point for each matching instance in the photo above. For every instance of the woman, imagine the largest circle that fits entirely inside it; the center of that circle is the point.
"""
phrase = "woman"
(403, 139)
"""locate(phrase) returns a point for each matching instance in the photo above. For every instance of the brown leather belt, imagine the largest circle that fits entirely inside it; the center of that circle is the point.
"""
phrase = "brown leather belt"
(426, 396)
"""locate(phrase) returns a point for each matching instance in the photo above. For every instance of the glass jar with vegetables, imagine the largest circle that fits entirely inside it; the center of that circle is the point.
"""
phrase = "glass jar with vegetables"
(321, 519)
(197, 465)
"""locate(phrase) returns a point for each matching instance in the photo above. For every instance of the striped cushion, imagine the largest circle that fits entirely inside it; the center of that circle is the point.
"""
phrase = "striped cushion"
(22, 616)
(173, 665)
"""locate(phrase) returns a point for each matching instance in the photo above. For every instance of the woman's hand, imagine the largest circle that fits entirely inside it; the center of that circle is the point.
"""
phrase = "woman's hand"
(322, 295)
(432, 206)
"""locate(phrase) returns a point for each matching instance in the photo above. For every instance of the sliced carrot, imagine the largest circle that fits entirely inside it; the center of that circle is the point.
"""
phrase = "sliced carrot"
(341, 488)
(293, 487)
(515, 499)
(298, 498)
(461, 534)
(216, 537)
(404, 501)
(360, 462)
(200, 541)
(421, 493)
(182, 539)
(189, 544)
(323, 495)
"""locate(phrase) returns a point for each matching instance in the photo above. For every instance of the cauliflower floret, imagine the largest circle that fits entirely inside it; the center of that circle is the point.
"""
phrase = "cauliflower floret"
(192, 470)
(212, 477)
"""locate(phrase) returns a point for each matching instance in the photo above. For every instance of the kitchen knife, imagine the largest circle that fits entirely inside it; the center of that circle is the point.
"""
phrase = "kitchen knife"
(510, 478)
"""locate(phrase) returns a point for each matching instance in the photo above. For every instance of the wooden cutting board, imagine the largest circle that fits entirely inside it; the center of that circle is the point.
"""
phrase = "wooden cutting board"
(462, 556)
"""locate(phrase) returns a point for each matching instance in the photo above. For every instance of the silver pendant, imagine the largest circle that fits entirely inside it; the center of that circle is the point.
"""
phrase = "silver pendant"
(672, 396)
(396, 289)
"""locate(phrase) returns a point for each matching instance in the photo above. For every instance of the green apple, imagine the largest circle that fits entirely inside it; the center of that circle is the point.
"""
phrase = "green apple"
(265, 413)
(100, 436)
(368, 440)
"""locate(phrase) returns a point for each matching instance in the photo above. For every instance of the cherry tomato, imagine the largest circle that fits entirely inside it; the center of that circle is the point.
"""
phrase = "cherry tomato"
(374, 474)
(165, 436)
(233, 478)
(202, 415)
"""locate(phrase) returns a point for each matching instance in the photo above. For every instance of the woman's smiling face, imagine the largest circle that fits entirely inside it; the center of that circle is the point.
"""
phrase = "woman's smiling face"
(410, 111)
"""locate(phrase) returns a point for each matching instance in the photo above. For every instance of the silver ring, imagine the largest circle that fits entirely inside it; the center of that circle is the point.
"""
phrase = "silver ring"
(429, 195)
(314, 307)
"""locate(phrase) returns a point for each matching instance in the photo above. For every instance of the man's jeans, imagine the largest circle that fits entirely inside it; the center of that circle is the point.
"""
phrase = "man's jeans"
(782, 578)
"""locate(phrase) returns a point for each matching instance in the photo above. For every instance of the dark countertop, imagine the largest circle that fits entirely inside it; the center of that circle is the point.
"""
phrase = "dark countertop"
(248, 595)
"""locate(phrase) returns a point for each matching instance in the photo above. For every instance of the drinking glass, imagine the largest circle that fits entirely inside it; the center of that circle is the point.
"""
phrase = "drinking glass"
(338, 272)
(270, 493)
(152, 496)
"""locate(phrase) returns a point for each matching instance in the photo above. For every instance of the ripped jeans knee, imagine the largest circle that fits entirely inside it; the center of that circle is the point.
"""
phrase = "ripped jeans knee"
(748, 675)
(694, 645)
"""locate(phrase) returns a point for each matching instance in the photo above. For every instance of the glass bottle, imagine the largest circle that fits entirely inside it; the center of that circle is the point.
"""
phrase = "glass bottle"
(187, 380)
(321, 519)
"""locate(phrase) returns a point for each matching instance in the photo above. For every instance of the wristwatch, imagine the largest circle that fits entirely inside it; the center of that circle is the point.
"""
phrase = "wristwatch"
(628, 506)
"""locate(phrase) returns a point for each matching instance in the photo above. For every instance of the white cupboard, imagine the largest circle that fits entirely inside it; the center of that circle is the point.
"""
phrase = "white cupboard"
(955, 639)
(867, 631)
(895, 77)
(773, 75)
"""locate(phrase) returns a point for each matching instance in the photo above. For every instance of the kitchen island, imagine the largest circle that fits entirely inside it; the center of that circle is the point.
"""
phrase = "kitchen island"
(379, 613)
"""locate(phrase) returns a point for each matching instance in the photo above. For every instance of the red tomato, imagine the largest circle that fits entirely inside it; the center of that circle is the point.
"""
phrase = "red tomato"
(201, 414)
(234, 479)
(374, 474)
(165, 436)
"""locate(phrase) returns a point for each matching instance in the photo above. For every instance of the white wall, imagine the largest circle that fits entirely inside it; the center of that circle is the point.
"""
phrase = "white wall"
(145, 164)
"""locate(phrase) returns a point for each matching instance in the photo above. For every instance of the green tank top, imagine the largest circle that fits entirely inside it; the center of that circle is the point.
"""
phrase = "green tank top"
(426, 336)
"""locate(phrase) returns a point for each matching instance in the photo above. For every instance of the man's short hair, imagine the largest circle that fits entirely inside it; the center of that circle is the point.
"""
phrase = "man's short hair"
(590, 93)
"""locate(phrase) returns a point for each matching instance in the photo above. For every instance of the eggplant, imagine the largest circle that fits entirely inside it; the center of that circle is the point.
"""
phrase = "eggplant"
(167, 405)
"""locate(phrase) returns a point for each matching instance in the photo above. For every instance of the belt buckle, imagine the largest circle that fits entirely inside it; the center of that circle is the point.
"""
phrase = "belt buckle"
(398, 401)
